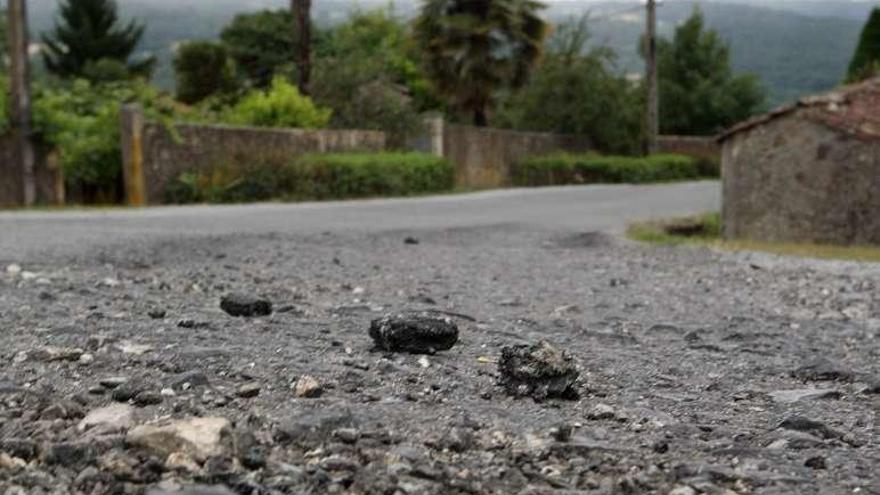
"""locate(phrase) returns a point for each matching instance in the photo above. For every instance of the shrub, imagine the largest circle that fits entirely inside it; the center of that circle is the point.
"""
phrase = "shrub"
(81, 119)
(281, 105)
(564, 168)
(358, 175)
(316, 176)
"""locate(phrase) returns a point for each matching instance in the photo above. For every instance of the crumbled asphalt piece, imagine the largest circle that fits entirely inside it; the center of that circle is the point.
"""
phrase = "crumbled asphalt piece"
(238, 304)
(539, 371)
(415, 332)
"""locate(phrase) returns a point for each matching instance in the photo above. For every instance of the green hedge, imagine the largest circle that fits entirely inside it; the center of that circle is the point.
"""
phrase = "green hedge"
(564, 168)
(317, 176)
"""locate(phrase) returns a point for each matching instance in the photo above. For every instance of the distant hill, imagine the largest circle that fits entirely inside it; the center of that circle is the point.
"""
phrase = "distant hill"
(797, 47)
(793, 54)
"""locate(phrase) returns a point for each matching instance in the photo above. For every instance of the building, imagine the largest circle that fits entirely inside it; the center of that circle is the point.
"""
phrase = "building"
(806, 172)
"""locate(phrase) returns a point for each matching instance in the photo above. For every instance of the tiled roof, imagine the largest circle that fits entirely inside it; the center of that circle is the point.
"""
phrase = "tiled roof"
(853, 109)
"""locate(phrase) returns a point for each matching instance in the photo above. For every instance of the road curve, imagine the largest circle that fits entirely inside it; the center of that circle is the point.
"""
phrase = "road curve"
(26, 235)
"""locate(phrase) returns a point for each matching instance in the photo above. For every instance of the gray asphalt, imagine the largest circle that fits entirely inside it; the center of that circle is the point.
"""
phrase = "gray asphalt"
(32, 235)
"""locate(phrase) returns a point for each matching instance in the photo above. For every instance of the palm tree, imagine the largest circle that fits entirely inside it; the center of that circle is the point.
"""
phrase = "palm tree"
(472, 48)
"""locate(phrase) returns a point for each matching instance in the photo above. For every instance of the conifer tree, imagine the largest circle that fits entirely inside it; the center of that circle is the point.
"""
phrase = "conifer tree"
(866, 60)
(88, 37)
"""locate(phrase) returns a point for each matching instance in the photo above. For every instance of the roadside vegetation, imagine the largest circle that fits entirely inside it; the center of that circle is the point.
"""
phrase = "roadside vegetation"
(373, 71)
(317, 177)
(593, 168)
(706, 230)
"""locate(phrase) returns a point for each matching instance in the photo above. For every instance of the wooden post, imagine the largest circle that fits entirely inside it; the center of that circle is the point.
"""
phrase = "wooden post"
(652, 125)
(132, 137)
(302, 15)
(20, 108)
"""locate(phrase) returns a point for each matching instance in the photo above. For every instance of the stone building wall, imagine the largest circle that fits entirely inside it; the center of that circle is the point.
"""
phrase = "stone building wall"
(793, 179)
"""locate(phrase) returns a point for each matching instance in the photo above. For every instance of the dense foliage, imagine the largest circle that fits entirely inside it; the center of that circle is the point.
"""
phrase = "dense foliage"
(474, 48)
(866, 60)
(575, 90)
(281, 105)
(367, 71)
(699, 95)
(81, 119)
(318, 176)
(203, 69)
(588, 168)
(263, 45)
(89, 41)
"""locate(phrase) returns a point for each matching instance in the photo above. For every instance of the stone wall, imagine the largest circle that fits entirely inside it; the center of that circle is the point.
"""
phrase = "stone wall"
(483, 156)
(696, 146)
(795, 180)
(165, 155)
(50, 184)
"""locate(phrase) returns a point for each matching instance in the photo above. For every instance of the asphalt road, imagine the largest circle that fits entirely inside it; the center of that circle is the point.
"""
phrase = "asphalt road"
(27, 235)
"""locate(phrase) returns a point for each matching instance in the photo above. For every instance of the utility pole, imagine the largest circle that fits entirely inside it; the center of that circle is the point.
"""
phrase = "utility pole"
(302, 13)
(21, 96)
(652, 123)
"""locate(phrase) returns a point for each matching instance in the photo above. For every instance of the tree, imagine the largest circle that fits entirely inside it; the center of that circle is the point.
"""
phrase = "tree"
(866, 60)
(202, 69)
(473, 48)
(366, 69)
(575, 90)
(262, 44)
(88, 33)
(698, 92)
(302, 13)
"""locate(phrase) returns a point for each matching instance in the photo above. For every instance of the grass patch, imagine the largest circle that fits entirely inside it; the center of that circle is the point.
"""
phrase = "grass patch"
(317, 177)
(591, 168)
(706, 230)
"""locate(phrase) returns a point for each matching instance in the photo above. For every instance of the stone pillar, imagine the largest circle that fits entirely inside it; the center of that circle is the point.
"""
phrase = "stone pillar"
(435, 127)
(132, 136)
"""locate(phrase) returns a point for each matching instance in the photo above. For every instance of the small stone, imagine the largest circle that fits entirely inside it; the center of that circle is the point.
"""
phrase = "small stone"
(147, 398)
(411, 241)
(13, 270)
(561, 432)
(156, 314)
(539, 371)
(50, 354)
(823, 369)
(9, 463)
(307, 387)
(417, 333)
(816, 462)
(113, 382)
(237, 304)
(189, 379)
(86, 359)
(110, 282)
(682, 490)
(792, 396)
(338, 463)
(111, 419)
(602, 411)
(347, 435)
(178, 461)
(193, 490)
(806, 425)
(134, 348)
(198, 438)
(248, 390)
